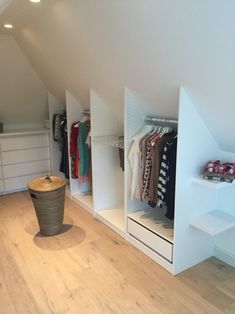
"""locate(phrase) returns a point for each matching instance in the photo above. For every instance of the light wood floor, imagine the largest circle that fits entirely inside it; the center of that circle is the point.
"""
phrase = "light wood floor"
(90, 269)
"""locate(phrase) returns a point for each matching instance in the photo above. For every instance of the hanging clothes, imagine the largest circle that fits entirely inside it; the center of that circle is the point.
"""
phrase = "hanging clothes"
(84, 150)
(64, 165)
(135, 160)
(158, 149)
(166, 184)
(154, 148)
(74, 132)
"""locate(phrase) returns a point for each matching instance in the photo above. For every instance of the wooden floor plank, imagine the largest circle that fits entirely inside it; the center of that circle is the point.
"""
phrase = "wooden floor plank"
(90, 269)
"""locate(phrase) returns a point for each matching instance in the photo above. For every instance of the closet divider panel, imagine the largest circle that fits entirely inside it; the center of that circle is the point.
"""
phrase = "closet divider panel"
(196, 146)
(108, 177)
(145, 231)
(55, 107)
(74, 113)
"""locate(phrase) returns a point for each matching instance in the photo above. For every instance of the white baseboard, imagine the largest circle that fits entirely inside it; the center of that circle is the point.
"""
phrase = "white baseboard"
(224, 256)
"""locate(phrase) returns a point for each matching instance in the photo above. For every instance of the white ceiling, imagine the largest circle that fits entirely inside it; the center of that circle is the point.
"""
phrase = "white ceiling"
(21, 13)
(4, 4)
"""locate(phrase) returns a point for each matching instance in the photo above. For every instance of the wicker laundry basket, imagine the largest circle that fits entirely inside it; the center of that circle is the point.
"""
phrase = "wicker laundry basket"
(48, 194)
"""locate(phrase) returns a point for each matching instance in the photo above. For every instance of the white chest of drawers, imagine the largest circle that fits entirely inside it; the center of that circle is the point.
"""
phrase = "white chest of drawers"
(23, 155)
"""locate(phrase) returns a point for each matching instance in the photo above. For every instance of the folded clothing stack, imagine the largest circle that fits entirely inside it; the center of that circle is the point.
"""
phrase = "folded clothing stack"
(216, 170)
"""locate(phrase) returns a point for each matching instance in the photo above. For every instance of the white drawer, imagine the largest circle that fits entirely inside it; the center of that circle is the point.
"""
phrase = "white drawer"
(1, 187)
(16, 170)
(20, 183)
(27, 155)
(24, 142)
(151, 239)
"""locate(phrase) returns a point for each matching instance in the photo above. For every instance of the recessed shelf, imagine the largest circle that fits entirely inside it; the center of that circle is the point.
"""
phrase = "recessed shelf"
(155, 220)
(213, 184)
(214, 222)
(114, 215)
(86, 201)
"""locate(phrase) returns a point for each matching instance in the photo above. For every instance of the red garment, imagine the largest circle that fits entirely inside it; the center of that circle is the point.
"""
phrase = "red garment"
(74, 149)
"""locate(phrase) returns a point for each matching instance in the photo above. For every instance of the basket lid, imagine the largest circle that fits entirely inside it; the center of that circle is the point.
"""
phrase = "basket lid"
(46, 184)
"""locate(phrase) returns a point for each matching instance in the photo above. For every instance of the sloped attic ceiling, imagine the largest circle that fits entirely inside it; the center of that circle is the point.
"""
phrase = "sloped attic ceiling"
(151, 46)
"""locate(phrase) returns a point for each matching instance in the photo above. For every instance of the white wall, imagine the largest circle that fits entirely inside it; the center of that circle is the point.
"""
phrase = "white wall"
(23, 96)
(151, 46)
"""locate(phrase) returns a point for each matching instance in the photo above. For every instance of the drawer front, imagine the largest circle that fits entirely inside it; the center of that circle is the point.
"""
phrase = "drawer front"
(24, 142)
(27, 155)
(152, 240)
(19, 183)
(1, 187)
(16, 170)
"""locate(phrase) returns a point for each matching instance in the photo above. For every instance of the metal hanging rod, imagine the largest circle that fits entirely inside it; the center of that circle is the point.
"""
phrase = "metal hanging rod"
(160, 120)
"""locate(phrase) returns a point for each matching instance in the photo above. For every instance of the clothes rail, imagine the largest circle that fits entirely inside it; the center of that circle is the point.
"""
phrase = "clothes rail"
(160, 120)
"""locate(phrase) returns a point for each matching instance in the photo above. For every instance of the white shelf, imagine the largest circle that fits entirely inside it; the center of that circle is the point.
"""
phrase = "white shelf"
(213, 184)
(214, 222)
(114, 215)
(155, 220)
(23, 132)
(85, 201)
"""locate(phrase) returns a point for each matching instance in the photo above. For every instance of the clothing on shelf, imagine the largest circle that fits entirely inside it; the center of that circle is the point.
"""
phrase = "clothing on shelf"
(153, 180)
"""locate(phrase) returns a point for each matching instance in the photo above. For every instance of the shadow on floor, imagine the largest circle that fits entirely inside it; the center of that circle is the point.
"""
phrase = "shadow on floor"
(70, 236)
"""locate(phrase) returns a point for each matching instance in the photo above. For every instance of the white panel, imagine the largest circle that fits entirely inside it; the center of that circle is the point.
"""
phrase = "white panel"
(195, 147)
(24, 142)
(54, 108)
(19, 183)
(19, 156)
(74, 113)
(103, 121)
(1, 186)
(151, 239)
(1, 172)
(108, 177)
(15, 170)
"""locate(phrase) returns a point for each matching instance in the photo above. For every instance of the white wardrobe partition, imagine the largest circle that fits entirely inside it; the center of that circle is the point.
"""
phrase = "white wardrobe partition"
(55, 107)
(148, 228)
(78, 190)
(108, 177)
(196, 146)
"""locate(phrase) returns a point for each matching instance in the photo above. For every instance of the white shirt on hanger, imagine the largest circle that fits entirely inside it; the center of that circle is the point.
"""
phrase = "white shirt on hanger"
(134, 158)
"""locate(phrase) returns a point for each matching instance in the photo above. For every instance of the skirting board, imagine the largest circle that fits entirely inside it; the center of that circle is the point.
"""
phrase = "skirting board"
(224, 256)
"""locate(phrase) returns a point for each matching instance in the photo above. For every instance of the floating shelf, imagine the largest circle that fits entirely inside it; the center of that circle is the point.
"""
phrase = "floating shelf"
(214, 222)
(212, 184)
(155, 220)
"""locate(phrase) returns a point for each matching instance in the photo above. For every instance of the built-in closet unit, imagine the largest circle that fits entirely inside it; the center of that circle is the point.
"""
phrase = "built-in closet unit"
(81, 193)
(55, 107)
(147, 228)
(204, 214)
(107, 169)
(24, 154)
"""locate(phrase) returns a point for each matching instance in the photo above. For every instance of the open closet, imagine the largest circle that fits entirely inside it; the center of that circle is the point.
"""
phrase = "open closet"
(180, 231)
